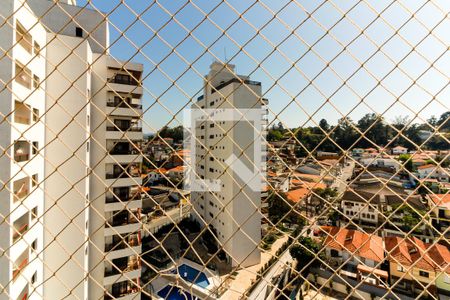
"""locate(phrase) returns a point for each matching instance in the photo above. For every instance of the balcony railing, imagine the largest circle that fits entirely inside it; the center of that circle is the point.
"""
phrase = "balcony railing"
(122, 292)
(21, 157)
(124, 80)
(121, 128)
(18, 195)
(20, 267)
(18, 233)
(120, 269)
(114, 246)
(123, 198)
(123, 105)
(121, 220)
(122, 174)
(123, 152)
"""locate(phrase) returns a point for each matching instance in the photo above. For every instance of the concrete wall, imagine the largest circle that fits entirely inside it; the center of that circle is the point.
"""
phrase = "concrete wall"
(66, 216)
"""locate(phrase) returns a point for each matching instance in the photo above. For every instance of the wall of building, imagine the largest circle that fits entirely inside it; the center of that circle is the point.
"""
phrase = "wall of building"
(67, 166)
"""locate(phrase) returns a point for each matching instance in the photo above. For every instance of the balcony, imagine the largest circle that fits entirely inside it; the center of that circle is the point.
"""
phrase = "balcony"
(116, 242)
(23, 38)
(22, 113)
(118, 197)
(124, 148)
(124, 79)
(121, 289)
(122, 265)
(123, 171)
(21, 188)
(21, 151)
(122, 218)
(23, 75)
(20, 227)
(20, 264)
(124, 128)
(123, 102)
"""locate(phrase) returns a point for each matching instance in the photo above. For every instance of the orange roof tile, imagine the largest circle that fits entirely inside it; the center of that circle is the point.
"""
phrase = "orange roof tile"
(427, 166)
(441, 199)
(177, 169)
(297, 195)
(356, 243)
(414, 252)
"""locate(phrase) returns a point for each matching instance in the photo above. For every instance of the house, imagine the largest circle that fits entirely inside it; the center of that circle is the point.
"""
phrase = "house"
(355, 206)
(362, 254)
(414, 265)
(433, 172)
(382, 163)
(176, 174)
(179, 158)
(440, 211)
(357, 151)
(155, 175)
(399, 150)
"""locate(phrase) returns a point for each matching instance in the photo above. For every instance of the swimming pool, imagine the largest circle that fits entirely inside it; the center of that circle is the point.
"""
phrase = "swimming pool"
(171, 292)
(192, 275)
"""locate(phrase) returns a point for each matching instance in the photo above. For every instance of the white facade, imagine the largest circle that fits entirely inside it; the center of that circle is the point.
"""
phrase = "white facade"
(434, 172)
(233, 213)
(73, 120)
(22, 164)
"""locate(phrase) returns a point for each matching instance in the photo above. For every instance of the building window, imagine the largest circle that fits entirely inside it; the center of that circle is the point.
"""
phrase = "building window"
(34, 213)
(23, 75)
(424, 274)
(34, 245)
(35, 114)
(34, 180)
(35, 148)
(36, 81)
(400, 268)
(23, 37)
(37, 49)
(78, 32)
(87, 146)
(34, 278)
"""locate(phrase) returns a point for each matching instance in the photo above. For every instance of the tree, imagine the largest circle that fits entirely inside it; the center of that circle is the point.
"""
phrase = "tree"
(444, 122)
(345, 134)
(374, 130)
(305, 252)
(274, 135)
(324, 125)
(407, 161)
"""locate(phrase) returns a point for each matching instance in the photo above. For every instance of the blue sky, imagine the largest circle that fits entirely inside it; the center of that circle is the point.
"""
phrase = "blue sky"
(304, 78)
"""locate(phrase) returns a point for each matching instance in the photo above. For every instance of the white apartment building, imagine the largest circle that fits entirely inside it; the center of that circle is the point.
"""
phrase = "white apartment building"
(71, 176)
(234, 212)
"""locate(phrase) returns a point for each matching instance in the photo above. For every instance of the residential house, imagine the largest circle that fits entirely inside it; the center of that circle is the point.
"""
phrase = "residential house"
(360, 255)
(439, 205)
(414, 265)
(434, 172)
(361, 207)
(398, 150)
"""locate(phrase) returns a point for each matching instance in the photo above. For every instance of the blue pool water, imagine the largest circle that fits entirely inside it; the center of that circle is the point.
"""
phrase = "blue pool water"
(192, 275)
(171, 292)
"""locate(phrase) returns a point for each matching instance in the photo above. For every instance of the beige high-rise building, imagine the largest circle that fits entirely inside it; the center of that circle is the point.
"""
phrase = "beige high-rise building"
(233, 213)
(70, 169)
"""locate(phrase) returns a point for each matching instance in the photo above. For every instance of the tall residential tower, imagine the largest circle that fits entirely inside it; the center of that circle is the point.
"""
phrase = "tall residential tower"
(233, 214)
(70, 163)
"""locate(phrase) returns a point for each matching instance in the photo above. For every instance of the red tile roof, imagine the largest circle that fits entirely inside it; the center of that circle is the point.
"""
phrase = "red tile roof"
(441, 199)
(427, 166)
(413, 252)
(356, 243)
